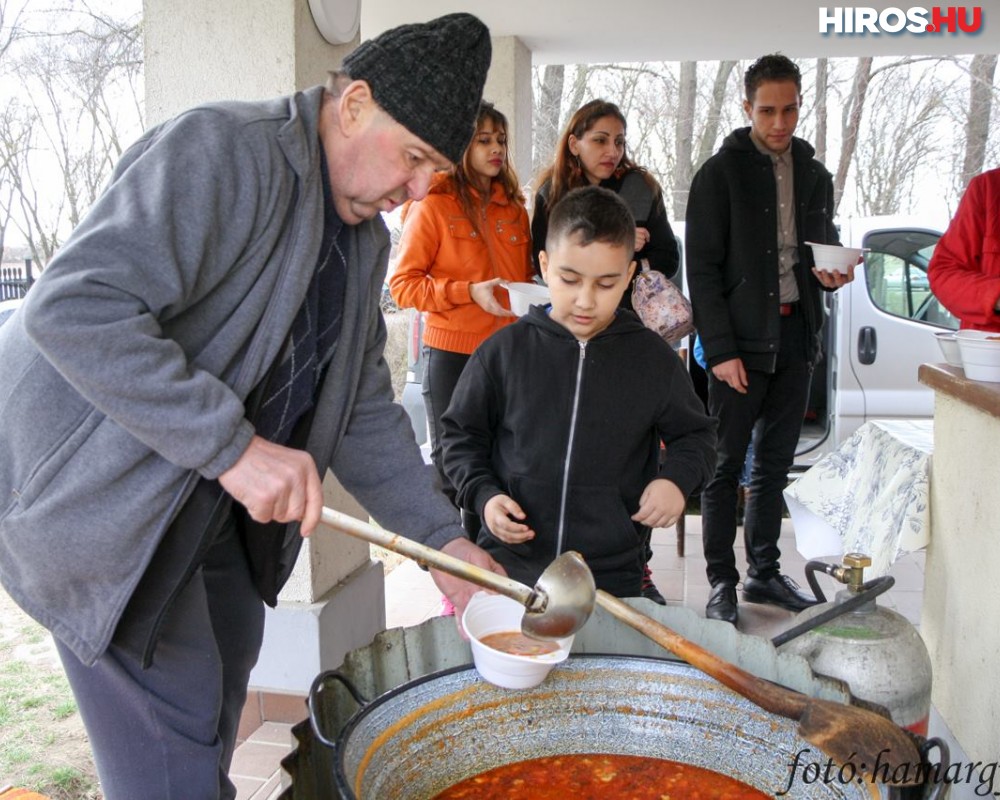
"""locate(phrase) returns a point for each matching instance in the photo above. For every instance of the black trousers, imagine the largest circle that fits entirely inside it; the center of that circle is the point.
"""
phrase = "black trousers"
(442, 369)
(770, 414)
(169, 731)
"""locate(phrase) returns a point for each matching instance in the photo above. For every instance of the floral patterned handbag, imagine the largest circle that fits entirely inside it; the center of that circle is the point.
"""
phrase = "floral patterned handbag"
(661, 306)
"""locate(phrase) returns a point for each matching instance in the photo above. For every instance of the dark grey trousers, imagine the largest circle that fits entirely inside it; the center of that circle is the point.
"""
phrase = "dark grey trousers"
(770, 414)
(168, 732)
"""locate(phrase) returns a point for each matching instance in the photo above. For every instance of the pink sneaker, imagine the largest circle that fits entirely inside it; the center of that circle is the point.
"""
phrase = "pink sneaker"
(447, 607)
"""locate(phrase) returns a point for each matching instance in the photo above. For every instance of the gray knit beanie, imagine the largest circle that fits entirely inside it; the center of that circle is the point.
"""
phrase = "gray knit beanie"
(429, 77)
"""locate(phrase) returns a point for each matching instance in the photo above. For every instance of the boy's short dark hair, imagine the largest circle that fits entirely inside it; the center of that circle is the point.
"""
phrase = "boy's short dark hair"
(773, 67)
(592, 214)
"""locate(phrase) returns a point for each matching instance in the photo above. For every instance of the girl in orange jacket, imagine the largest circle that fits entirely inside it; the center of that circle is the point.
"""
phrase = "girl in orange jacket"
(470, 233)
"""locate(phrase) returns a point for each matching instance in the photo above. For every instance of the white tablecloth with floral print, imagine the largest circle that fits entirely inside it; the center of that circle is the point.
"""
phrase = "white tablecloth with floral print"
(870, 496)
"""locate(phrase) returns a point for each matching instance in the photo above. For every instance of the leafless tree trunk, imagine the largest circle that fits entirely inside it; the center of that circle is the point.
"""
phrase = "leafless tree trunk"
(713, 116)
(687, 159)
(822, 72)
(851, 124)
(578, 91)
(684, 136)
(977, 126)
(548, 106)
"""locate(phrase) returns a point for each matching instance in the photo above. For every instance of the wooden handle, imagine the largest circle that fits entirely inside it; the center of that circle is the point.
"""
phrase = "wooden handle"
(849, 735)
(422, 554)
(769, 696)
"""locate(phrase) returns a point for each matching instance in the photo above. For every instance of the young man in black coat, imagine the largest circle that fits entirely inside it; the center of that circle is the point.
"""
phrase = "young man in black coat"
(758, 308)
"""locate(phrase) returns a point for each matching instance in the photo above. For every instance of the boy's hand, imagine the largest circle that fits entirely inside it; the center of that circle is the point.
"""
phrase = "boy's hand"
(501, 514)
(661, 505)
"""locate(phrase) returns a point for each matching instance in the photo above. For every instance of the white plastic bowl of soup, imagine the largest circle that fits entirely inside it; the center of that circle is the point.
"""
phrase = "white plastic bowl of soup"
(525, 295)
(502, 654)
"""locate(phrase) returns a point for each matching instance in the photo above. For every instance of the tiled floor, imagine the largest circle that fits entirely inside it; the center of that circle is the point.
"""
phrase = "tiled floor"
(256, 763)
(412, 598)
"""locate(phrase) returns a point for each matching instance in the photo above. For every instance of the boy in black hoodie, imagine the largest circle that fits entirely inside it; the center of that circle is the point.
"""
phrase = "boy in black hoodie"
(553, 432)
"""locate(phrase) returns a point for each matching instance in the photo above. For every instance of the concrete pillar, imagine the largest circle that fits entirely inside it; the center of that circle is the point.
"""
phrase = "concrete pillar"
(245, 50)
(508, 87)
(230, 50)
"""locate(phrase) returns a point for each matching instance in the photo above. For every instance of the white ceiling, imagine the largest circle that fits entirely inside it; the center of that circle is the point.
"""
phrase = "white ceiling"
(601, 31)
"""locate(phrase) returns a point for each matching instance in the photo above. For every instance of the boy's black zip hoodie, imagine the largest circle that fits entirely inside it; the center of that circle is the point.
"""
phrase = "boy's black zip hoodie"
(571, 431)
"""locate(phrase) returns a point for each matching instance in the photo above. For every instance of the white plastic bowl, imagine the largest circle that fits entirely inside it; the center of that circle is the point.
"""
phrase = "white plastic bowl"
(949, 347)
(525, 295)
(494, 613)
(833, 258)
(980, 355)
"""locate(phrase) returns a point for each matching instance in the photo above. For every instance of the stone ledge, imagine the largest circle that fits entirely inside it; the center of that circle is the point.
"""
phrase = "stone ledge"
(951, 380)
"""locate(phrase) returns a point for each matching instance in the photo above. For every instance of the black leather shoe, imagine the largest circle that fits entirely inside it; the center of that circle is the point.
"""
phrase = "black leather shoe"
(649, 590)
(722, 603)
(779, 590)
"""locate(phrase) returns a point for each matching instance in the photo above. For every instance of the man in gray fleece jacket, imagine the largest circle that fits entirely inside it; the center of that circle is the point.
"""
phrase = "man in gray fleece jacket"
(210, 333)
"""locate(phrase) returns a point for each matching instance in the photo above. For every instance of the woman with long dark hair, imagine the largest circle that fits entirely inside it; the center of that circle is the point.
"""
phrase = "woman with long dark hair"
(592, 151)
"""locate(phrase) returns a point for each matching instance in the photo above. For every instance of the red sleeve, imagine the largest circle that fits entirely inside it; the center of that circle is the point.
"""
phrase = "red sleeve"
(964, 272)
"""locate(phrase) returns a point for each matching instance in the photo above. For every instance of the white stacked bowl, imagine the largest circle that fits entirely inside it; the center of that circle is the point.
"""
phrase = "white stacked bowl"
(949, 347)
(980, 355)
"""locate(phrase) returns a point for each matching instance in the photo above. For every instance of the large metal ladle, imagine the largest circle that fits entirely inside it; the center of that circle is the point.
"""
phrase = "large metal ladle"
(559, 604)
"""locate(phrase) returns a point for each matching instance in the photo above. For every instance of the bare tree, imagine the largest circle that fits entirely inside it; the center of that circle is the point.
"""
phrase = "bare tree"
(687, 97)
(822, 75)
(687, 157)
(11, 26)
(548, 107)
(77, 100)
(35, 220)
(900, 120)
(977, 126)
(579, 89)
(850, 124)
(719, 98)
(905, 113)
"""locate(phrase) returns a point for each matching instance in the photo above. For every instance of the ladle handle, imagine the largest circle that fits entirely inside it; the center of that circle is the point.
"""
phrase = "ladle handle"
(423, 554)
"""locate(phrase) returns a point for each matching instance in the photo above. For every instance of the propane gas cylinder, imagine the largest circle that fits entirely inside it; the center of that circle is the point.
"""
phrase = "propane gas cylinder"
(875, 650)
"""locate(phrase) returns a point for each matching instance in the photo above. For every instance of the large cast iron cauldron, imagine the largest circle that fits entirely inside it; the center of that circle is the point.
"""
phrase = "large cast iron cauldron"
(418, 739)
